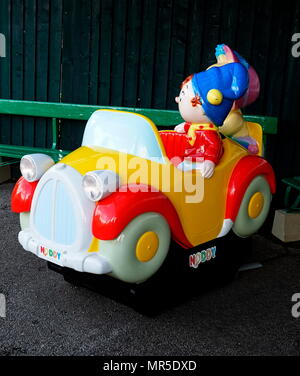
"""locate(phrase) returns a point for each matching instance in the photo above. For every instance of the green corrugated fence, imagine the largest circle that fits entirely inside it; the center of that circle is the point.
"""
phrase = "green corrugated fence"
(135, 53)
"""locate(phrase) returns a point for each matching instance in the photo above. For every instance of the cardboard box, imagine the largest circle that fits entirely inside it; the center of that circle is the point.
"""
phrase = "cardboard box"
(286, 226)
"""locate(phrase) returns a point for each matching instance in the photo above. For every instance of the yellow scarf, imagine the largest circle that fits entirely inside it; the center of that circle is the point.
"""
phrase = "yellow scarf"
(199, 127)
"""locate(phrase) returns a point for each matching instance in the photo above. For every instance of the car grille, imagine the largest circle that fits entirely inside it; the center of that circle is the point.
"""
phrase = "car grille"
(54, 214)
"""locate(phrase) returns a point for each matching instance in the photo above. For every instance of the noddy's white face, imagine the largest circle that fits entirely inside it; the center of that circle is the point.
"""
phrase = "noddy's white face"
(190, 113)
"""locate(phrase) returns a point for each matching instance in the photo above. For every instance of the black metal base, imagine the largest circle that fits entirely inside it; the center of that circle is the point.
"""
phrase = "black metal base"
(180, 277)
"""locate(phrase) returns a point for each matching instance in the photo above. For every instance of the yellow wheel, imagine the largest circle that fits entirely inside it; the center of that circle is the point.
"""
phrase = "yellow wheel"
(256, 205)
(147, 246)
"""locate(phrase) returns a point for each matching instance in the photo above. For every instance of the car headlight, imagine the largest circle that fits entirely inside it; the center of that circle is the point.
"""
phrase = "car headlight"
(33, 166)
(99, 184)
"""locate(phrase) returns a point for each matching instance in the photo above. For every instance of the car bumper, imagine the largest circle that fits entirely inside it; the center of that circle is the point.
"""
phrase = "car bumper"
(79, 261)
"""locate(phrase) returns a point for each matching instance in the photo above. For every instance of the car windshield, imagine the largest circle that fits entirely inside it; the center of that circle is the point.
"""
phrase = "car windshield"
(123, 131)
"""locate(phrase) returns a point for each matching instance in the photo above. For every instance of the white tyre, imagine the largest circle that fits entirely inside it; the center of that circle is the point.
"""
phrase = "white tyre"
(254, 208)
(24, 220)
(140, 250)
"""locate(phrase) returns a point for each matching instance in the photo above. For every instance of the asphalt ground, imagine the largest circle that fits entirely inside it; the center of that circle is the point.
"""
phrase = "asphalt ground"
(47, 316)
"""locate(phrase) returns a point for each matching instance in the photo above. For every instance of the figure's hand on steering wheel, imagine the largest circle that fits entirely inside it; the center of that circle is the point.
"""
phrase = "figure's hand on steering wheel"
(208, 169)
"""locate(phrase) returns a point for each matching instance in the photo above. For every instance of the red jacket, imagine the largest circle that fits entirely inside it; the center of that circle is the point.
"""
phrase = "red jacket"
(207, 145)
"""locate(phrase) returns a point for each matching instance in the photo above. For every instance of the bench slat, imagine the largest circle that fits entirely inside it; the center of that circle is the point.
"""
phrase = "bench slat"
(79, 111)
(12, 151)
(164, 118)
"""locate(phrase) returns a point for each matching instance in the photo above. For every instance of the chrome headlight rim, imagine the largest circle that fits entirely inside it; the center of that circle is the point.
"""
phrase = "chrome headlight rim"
(33, 166)
(26, 164)
(99, 184)
(92, 189)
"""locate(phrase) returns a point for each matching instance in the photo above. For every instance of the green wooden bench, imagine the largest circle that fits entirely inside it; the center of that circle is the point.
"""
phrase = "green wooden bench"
(56, 111)
(293, 186)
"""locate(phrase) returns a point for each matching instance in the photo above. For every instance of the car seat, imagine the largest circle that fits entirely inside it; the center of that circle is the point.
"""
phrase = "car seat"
(175, 145)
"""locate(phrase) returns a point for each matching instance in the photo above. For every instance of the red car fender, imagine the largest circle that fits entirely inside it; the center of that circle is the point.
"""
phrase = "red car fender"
(244, 172)
(22, 196)
(116, 211)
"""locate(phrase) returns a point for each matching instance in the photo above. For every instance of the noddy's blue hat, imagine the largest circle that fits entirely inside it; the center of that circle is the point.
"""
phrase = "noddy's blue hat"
(218, 88)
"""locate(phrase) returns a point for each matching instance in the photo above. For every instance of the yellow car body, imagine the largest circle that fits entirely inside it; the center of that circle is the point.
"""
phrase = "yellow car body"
(201, 221)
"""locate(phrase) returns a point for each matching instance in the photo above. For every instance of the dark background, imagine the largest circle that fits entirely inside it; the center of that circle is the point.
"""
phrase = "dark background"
(137, 52)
